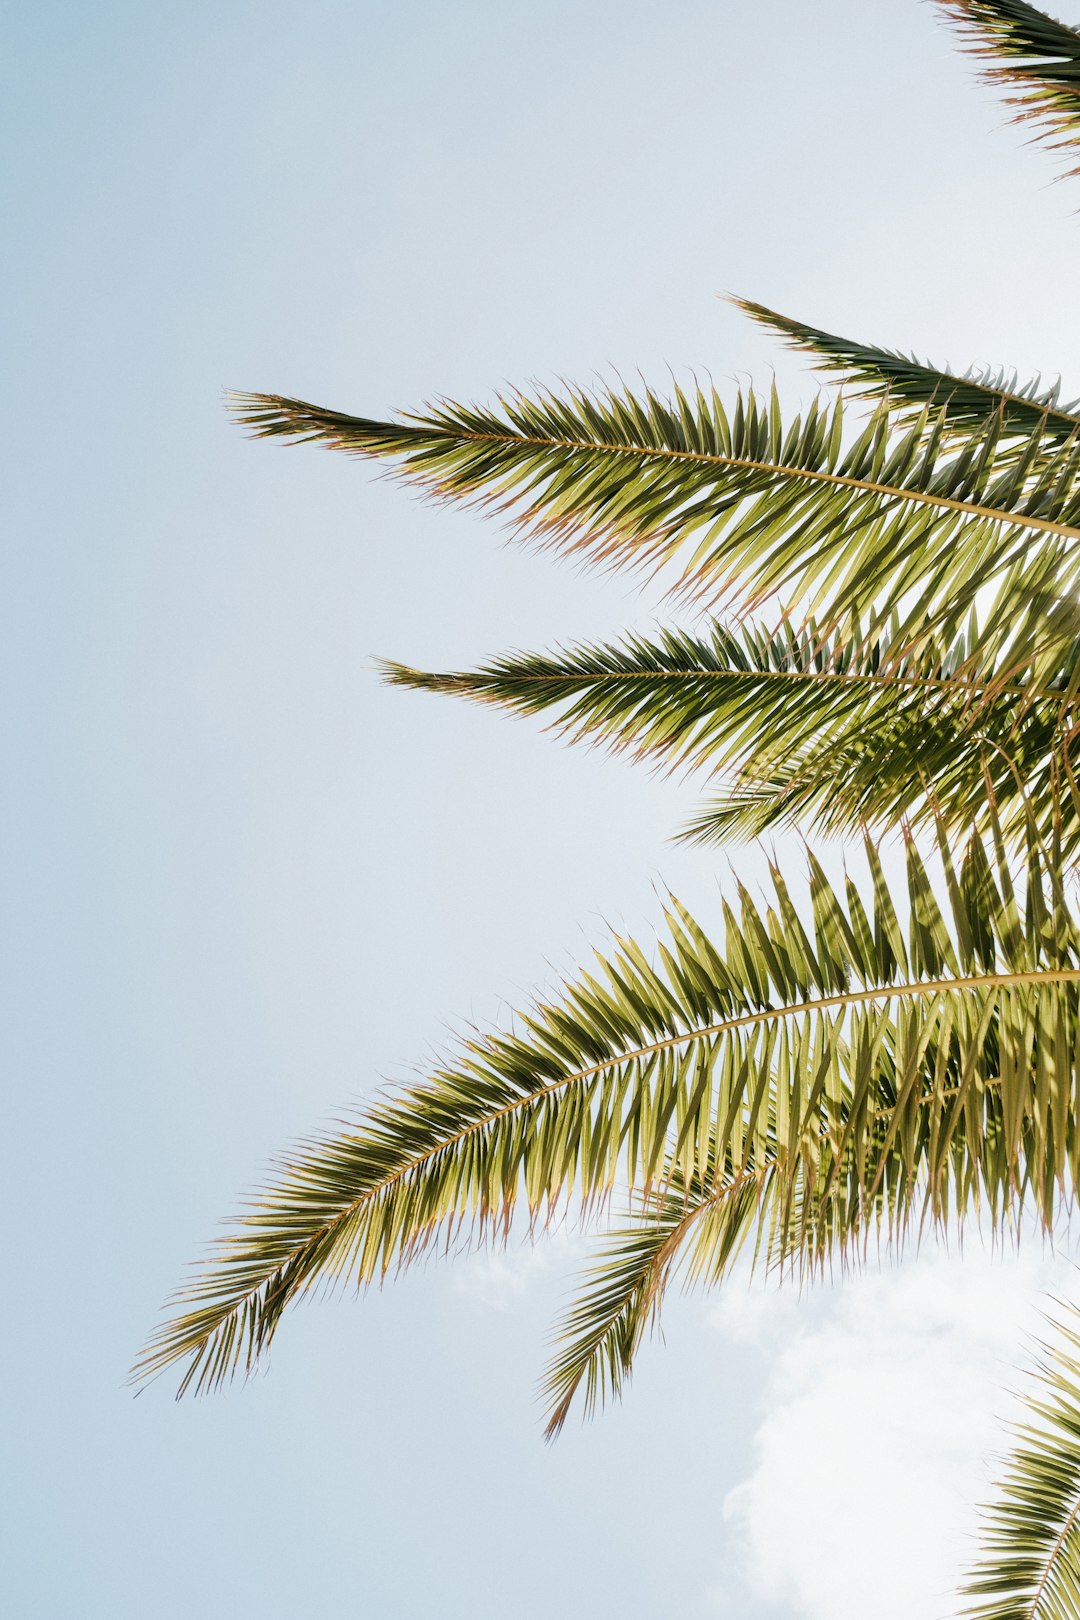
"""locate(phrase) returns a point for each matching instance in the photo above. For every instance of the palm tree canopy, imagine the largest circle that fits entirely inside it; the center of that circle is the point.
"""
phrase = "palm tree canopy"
(897, 576)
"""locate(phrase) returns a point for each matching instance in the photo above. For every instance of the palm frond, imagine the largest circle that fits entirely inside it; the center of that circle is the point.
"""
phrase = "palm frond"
(967, 399)
(696, 1228)
(604, 1329)
(600, 1336)
(1029, 1567)
(914, 766)
(1033, 55)
(834, 731)
(744, 506)
(961, 1039)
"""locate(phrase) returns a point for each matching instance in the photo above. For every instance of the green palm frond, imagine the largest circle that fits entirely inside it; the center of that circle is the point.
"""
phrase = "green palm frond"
(833, 731)
(1032, 54)
(602, 1332)
(915, 766)
(967, 399)
(960, 1038)
(598, 1340)
(705, 698)
(1029, 1568)
(742, 505)
(696, 1227)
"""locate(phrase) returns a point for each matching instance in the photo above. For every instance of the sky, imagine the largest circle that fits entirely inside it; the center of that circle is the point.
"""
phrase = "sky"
(246, 884)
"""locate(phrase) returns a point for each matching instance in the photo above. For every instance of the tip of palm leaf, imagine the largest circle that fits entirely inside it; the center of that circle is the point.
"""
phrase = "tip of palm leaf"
(264, 414)
(269, 416)
(392, 673)
(556, 1421)
(750, 306)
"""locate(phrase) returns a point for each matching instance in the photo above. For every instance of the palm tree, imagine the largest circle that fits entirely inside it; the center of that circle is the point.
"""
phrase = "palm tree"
(895, 647)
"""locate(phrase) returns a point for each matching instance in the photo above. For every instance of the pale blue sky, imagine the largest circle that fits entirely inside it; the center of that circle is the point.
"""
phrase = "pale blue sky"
(244, 883)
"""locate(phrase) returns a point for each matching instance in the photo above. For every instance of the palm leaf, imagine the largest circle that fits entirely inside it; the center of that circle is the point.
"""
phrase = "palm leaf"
(916, 766)
(697, 1227)
(833, 731)
(742, 505)
(1029, 1568)
(963, 1038)
(599, 1338)
(1032, 54)
(909, 385)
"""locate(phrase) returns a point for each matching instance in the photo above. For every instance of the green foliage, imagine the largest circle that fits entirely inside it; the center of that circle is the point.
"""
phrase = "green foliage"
(830, 1074)
(909, 385)
(1031, 54)
(743, 506)
(830, 732)
(855, 1073)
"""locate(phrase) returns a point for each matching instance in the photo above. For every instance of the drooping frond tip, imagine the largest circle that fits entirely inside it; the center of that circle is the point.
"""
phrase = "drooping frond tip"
(278, 416)
(967, 399)
(1030, 54)
(699, 1222)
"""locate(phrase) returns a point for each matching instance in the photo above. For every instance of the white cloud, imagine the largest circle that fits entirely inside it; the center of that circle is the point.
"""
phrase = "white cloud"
(883, 1398)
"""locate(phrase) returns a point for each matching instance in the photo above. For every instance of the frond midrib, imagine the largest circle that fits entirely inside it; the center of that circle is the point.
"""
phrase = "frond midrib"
(868, 486)
(922, 682)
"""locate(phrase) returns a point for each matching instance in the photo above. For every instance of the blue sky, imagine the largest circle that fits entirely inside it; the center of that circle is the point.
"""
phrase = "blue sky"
(246, 884)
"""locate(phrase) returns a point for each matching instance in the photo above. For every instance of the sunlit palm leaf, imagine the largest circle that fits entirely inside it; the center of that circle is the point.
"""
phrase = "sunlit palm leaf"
(910, 385)
(1031, 54)
(833, 731)
(916, 765)
(696, 1226)
(741, 504)
(601, 1334)
(965, 1033)
(1029, 1567)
